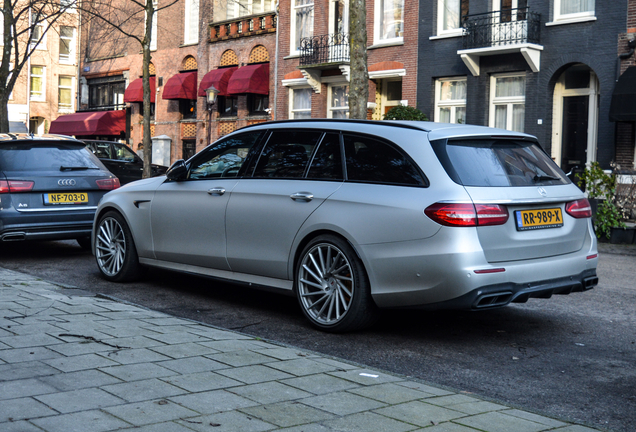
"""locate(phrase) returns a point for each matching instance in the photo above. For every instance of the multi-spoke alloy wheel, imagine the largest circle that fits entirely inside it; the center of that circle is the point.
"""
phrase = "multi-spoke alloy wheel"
(114, 249)
(332, 287)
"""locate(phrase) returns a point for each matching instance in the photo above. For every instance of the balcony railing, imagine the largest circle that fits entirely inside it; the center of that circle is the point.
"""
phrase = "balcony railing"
(330, 48)
(244, 26)
(501, 28)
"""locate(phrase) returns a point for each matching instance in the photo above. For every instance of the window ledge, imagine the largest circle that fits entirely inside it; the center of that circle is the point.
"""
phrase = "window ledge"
(387, 44)
(570, 21)
(188, 44)
(292, 56)
(447, 36)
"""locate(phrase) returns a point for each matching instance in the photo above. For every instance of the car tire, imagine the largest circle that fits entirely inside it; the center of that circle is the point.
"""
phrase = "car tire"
(84, 242)
(332, 286)
(115, 249)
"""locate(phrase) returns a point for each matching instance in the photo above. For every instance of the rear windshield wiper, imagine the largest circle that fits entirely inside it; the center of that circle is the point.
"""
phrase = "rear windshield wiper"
(75, 168)
(537, 178)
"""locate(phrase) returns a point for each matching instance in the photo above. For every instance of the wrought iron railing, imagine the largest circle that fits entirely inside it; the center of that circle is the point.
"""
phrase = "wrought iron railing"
(501, 28)
(329, 48)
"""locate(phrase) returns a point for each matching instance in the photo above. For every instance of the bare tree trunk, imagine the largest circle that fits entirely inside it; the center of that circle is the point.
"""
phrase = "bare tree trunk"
(359, 78)
(147, 142)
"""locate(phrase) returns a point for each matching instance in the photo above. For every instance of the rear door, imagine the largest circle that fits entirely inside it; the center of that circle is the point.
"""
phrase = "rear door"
(517, 174)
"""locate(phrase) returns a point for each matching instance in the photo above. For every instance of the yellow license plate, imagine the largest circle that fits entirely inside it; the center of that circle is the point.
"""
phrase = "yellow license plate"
(538, 219)
(66, 198)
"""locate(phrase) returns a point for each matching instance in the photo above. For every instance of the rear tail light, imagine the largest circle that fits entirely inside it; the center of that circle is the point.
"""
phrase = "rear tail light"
(108, 184)
(12, 186)
(579, 209)
(467, 215)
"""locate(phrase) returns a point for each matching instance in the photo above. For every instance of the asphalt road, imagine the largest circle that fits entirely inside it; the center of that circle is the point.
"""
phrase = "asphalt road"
(572, 357)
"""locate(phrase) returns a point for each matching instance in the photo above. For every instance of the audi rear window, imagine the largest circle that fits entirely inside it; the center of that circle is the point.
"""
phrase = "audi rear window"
(46, 156)
(498, 163)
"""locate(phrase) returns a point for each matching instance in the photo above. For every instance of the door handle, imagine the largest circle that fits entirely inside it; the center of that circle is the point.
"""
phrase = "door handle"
(302, 196)
(216, 191)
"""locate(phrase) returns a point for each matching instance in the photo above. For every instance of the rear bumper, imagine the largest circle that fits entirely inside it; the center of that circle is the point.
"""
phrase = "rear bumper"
(16, 226)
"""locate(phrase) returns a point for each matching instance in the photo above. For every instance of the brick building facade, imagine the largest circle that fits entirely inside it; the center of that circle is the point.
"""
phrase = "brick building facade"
(545, 67)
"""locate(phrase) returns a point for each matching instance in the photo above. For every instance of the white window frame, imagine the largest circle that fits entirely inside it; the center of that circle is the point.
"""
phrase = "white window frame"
(292, 110)
(71, 55)
(249, 10)
(70, 4)
(42, 97)
(376, 27)
(292, 31)
(191, 14)
(440, 21)
(153, 31)
(70, 87)
(579, 16)
(42, 44)
(330, 108)
(509, 101)
(451, 103)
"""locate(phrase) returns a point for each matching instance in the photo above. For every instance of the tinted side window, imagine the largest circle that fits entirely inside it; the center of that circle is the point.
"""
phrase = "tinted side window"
(224, 158)
(327, 163)
(287, 154)
(101, 150)
(371, 160)
(123, 153)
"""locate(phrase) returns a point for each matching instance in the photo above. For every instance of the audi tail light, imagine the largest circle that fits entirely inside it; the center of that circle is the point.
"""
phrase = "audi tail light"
(108, 184)
(13, 186)
(579, 209)
(467, 215)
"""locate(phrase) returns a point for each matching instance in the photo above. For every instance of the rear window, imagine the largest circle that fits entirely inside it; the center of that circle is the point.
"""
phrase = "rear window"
(498, 163)
(48, 156)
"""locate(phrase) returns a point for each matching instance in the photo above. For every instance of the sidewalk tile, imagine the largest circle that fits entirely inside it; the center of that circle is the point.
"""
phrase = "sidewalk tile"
(474, 408)
(145, 413)
(254, 374)
(28, 329)
(575, 428)
(500, 422)
(23, 408)
(213, 401)
(424, 388)
(163, 320)
(138, 391)
(338, 365)
(240, 358)
(233, 421)
(283, 353)
(192, 365)
(390, 393)
(31, 340)
(233, 345)
(79, 400)
(270, 392)
(301, 367)
(125, 332)
(85, 421)
(449, 400)
(204, 381)
(18, 355)
(137, 372)
(214, 333)
(314, 427)
(80, 362)
(79, 309)
(158, 427)
(80, 348)
(342, 403)
(131, 356)
(449, 427)
(535, 418)
(23, 388)
(135, 342)
(366, 376)
(27, 369)
(320, 384)
(178, 337)
(287, 414)
(368, 421)
(79, 380)
(419, 413)
(19, 426)
(184, 350)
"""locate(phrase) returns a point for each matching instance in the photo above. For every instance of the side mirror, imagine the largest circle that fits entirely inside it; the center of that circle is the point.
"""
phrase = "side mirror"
(178, 171)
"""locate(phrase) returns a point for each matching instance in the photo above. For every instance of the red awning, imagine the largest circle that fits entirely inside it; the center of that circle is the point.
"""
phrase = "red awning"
(135, 91)
(218, 78)
(90, 123)
(250, 79)
(181, 86)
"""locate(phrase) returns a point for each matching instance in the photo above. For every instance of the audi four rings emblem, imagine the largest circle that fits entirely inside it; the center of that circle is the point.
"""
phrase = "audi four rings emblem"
(66, 182)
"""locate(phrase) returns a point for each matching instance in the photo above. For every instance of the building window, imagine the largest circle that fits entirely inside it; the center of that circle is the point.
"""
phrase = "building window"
(507, 102)
(188, 109)
(389, 19)
(106, 93)
(153, 30)
(191, 24)
(38, 36)
(302, 25)
(300, 103)
(65, 94)
(37, 83)
(338, 101)
(449, 16)
(450, 100)
(67, 45)
(573, 9)
(228, 106)
(69, 5)
(231, 9)
(258, 104)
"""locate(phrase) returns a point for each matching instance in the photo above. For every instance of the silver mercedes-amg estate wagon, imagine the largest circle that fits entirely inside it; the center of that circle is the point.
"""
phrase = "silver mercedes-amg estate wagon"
(352, 216)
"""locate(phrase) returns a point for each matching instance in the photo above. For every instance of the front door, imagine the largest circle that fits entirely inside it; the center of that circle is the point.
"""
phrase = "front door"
(574, 135)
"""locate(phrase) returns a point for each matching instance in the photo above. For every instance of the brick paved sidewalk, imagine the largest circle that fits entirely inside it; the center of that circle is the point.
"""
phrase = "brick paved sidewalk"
(83, 363)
